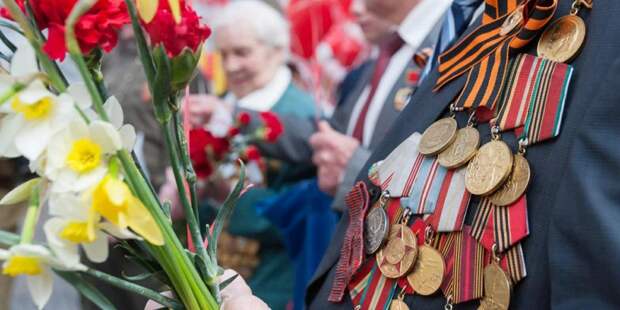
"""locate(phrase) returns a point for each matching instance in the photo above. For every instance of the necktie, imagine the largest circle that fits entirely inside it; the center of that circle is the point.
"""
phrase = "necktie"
(386, 52)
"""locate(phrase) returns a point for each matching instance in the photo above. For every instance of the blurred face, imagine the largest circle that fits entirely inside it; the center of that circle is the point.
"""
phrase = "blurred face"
(394, 11)
(375, 29)
(249, 64)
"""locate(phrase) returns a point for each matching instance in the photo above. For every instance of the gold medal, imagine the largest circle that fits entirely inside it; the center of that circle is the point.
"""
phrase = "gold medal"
(428, 271)
(438, 136)
(462, 149)
(496, 289)
(398, 304)
(489, 169)
(399, 254)
(516, 184)
(563, 39)
(400, 98)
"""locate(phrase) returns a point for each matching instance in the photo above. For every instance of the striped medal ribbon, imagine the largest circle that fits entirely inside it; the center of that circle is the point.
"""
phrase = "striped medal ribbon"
(484, 54)
(435, 187)
(464, 258)
(352, 251)
(502, 227)
(535, 90)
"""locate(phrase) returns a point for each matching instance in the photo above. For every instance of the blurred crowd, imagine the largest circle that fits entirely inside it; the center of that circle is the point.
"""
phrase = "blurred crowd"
(336, 73)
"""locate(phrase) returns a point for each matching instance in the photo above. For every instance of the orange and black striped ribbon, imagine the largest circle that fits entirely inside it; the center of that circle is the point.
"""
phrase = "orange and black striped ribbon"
(484, 53)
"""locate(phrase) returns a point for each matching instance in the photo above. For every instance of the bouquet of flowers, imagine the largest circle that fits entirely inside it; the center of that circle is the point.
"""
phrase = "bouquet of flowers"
(76, 142)
(216, 158)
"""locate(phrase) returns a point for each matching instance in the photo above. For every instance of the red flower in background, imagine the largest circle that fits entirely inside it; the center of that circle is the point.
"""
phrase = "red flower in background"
(244, 118)
(252, 153)
(273, 126)
(175, 37)
(204, 148)
(97, 28)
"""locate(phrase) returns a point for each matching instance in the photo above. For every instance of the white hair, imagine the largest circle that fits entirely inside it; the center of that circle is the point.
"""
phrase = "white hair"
(269, 25)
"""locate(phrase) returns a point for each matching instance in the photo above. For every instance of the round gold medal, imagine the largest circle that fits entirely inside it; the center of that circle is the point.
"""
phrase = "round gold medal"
(462, 149)
(489, 169)
(496, 289)
(438, 136)
(400, 98)
(399, 254)
(516, 184)
(427, 274)
(398, 304)
(563, 39)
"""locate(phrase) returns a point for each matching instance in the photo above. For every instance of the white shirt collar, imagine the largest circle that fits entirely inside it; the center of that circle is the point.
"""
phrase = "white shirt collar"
(264, 99)
(422, 20)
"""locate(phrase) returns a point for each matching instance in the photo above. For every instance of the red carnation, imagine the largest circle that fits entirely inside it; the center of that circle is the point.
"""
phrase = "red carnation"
(175, 37)
(273, 126)
(244, 118)
(97, 28)
(233, 131)
(204, 148)
(252, 153)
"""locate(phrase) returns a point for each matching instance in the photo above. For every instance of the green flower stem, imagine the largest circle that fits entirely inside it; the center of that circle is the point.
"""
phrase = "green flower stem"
(48, 65)
(143, 50)
(32, 216)
(190, 174)
(186, 280)
(12, 91)
(187, 208)
(138, 289)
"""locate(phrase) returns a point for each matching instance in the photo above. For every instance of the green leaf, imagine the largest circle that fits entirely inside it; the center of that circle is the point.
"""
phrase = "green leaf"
(8, 238)
(86, 289)
(21, 193)
(225, 212)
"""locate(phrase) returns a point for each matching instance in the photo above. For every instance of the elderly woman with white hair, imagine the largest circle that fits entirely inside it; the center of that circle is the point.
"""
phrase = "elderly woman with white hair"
(253, 39)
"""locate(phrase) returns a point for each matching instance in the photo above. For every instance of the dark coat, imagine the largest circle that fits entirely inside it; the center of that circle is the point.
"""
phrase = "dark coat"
(574, 196)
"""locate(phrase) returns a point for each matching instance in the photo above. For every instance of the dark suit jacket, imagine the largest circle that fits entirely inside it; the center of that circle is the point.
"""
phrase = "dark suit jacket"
(574, 196)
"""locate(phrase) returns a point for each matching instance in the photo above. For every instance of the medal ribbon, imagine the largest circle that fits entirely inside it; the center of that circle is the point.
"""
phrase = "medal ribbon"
(452, 203)
(513, 263)
(503, 226)
(352, 251)
(484, 53)
(536, 91)
(368, 288)
(544, 118)
(465, 258)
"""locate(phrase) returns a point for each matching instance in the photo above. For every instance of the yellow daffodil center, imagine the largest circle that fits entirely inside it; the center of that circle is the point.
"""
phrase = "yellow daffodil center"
(22, 265)
(78, 232)
(35, 111)
(84, 156)
(113, 199)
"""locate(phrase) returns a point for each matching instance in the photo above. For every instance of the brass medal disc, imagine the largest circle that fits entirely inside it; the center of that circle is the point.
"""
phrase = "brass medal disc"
(438, 136)
(462, 149)
(563, 39)
(489, 169)
(516, 184)
(376, 228)
(399, 254)
(427, 274)
(496, 289)
(398, 304)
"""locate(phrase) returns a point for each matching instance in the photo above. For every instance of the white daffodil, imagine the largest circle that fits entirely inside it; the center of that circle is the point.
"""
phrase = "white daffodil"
(115, 113)
(75, 222)
(35, 262)
(77, 157)
(33, 115)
